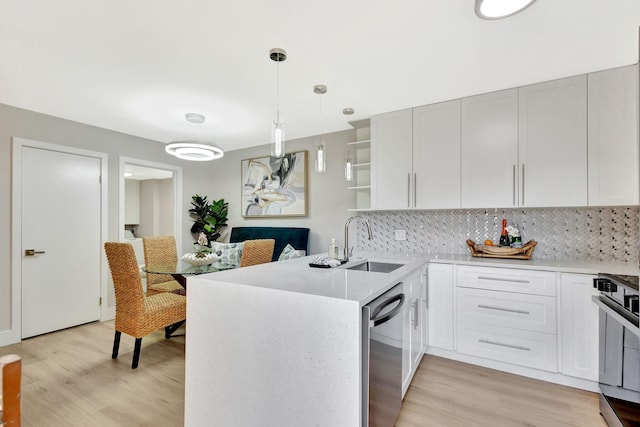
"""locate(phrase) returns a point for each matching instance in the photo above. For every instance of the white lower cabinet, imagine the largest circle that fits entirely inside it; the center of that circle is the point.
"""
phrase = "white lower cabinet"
(440, 305)
(541, 324)
(579, 329)
(520, 311)
(508, 315)
(518, 346)
(414, 314)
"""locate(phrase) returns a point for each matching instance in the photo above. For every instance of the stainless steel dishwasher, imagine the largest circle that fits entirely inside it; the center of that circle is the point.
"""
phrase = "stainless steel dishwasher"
(382, 358)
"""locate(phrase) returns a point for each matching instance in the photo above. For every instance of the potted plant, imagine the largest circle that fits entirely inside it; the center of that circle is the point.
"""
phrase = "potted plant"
(208, 218)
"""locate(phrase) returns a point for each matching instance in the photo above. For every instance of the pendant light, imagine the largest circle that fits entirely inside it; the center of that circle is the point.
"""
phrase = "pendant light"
(348, 167)
(348, 160)
(194, 151)
(498, 9)
(320, 161)
(277, 126)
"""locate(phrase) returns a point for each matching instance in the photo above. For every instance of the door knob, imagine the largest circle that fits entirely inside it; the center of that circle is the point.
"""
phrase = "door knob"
(32, 252)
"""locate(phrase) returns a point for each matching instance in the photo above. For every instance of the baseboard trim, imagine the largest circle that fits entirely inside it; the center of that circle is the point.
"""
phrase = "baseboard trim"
(552, 377)
(9, 337)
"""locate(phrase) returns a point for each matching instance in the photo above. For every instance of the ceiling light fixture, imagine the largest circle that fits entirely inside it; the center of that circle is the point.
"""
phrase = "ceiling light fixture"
(277, 126)
(321, 162)
(191, 150)
(194, 118)
(498, 9)
(194, 151)
(348, 167)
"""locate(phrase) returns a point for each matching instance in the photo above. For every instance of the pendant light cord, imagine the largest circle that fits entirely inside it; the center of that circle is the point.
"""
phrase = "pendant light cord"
(278, 90)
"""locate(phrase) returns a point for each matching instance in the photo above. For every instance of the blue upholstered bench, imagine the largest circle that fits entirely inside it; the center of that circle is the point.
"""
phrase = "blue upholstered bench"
(295, 236)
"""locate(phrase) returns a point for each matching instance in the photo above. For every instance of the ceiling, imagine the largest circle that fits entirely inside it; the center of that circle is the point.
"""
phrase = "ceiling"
(138, 66)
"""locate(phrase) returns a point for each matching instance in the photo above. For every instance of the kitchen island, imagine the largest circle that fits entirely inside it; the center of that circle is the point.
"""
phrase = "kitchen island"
(281, 343)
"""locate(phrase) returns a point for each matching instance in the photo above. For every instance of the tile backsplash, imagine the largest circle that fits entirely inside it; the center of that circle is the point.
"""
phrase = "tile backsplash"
(608, 234)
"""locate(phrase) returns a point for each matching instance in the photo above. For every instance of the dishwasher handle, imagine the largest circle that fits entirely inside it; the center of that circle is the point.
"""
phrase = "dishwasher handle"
(376, 321)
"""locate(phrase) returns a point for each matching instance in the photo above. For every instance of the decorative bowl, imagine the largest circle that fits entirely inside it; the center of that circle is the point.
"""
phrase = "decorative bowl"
(192, 259)
(524, 252)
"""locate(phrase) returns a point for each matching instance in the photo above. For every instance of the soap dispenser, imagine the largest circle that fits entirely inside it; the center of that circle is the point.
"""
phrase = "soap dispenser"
(333, 249)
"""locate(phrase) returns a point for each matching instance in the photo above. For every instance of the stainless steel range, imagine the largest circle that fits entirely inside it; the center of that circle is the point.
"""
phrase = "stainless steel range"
(619, 373)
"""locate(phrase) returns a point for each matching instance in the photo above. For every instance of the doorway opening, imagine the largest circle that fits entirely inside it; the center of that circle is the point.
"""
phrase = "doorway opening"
(150, 196)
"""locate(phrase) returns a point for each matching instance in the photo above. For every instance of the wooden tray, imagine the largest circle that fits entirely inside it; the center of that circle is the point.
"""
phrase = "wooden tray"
(483, 251)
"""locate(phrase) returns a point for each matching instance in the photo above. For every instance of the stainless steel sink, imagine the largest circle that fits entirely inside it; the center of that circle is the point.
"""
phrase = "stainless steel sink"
(376, 267)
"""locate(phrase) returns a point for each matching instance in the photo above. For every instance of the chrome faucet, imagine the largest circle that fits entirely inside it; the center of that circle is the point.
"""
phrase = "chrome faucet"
(348, 252)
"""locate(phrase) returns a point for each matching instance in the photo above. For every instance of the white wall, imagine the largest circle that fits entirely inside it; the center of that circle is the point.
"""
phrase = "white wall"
(328, 197)
(157, 208)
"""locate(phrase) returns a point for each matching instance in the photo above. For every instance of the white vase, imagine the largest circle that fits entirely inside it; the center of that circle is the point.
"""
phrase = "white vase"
(192, 259)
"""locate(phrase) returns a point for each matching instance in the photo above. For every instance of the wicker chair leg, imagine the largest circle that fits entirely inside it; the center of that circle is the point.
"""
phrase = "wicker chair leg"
(136, 353)
(116, 345)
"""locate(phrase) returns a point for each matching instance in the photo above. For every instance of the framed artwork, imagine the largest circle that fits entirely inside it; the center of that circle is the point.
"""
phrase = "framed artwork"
(274, 187)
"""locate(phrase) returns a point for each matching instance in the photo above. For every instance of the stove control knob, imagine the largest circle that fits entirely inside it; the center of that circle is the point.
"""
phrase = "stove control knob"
(631, 303)
(604, 285)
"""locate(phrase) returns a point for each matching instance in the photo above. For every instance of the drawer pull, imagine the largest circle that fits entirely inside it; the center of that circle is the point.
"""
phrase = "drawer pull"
(510, 310)
(517, 347)
(500, 279)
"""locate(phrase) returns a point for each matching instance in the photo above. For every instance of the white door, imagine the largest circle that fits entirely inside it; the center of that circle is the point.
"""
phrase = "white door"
(61, 208)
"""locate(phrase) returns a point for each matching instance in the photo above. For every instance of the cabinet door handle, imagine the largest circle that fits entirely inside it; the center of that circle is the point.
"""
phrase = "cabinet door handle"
(416, 313)
(523, 184)
(513, 185)
(517, 347)
(500, 279)
(509, 310)
(408, 190)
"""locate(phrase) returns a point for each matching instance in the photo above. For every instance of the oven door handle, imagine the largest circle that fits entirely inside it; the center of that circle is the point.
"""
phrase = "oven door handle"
(611, 311)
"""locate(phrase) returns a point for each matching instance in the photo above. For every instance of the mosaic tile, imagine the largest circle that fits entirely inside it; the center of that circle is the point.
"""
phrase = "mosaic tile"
(606, 234)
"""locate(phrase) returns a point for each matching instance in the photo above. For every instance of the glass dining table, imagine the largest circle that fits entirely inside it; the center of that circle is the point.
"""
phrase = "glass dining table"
(181, 270)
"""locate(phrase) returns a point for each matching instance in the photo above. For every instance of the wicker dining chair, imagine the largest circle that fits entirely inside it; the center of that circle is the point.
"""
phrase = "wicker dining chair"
(259, 251)
(11, 374)
(160, 250)
(136, 314)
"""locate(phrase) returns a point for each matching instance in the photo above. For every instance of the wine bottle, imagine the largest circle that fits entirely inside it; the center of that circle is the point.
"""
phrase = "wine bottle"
(504, 237)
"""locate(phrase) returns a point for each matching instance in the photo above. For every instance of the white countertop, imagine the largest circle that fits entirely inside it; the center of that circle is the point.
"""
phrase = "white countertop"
(297, 276)
(559, 265)
(362, 286)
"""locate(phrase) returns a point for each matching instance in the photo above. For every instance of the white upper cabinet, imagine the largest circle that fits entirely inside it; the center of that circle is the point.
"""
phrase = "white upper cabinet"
(567, 142)
(490, 150)
(613, 137)
(553, 143)
(436, 156)
(391, 160)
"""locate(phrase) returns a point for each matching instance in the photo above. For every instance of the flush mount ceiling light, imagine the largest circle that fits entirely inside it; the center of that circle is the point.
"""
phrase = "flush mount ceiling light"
(277, 126)
(194, 118)
(497, 9)
(191, 150)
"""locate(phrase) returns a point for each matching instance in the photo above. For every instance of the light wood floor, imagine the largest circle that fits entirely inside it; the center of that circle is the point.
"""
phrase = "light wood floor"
(69, 379)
